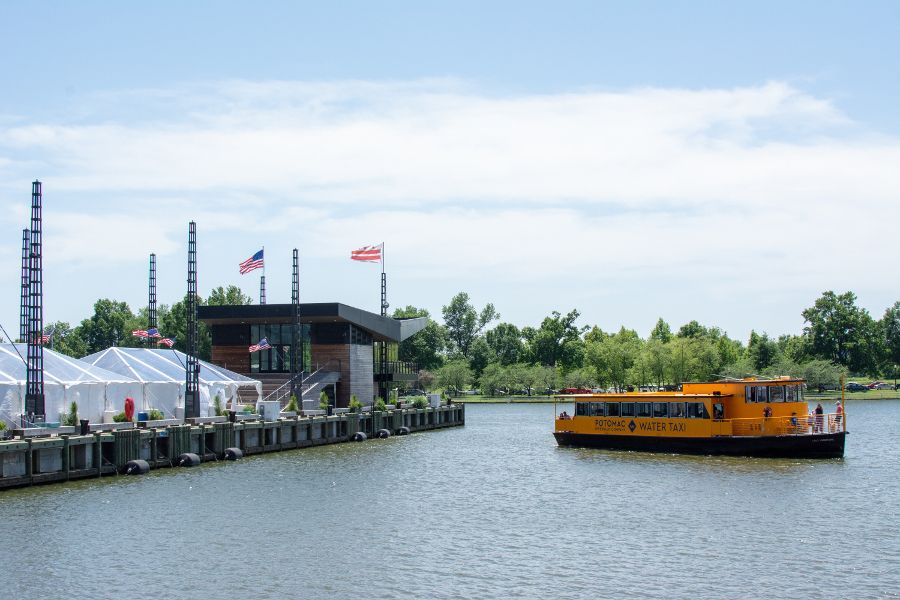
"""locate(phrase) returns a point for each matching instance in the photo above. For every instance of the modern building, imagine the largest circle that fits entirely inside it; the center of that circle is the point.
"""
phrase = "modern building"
(341, 348)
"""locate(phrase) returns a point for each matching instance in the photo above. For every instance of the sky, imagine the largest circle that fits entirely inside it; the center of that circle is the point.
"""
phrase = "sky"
(710, 161)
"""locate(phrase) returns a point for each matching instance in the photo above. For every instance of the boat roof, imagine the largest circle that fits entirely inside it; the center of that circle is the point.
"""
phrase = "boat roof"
(638, 395)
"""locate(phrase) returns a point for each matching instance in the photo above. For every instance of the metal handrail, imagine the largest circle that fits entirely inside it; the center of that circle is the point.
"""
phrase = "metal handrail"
(283, 390)
(794, 425)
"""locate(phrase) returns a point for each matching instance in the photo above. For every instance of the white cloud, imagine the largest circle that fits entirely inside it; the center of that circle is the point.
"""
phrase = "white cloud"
(585, 188)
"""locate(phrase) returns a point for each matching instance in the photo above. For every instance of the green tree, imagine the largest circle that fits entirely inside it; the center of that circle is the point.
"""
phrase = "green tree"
(108, 326)
(66, 340)
(480, 354)
(173, 323)
(889, 327)
(661, 332)
(455, 375)
(506, 341)
(841, 332)
(693, 330)
(762, 351)
(557, 342)
(682, 365)
(613, 356)
(493, 378)
(657, 355)
(425, 347)
(464, 323)
(230, 296)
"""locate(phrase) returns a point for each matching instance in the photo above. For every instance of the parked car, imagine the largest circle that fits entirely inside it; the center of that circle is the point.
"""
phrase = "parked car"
(853, 386)
(405, 393)
(882, 386)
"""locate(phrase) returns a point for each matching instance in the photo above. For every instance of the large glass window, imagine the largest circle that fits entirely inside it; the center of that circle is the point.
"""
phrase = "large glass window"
(627, 409)
(277, 359)
(776, 393)
(643, 409)
(612, 409)
(697, 410)
(790, 393)
(676, 409)
(660, 409)
(581, 409)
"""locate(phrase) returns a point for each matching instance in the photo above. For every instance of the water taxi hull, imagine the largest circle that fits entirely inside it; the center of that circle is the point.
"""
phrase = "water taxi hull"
(822, 445)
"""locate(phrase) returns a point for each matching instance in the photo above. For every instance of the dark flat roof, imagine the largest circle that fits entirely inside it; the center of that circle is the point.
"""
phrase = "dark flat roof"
(382, 328)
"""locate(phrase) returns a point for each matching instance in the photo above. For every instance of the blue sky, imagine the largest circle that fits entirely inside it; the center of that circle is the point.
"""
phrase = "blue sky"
(725, 162)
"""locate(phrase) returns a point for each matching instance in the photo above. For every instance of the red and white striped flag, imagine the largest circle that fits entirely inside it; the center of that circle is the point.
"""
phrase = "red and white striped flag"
(368, 253)
(167, 341)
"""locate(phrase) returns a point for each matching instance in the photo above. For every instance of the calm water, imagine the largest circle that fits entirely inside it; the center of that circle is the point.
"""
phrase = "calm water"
(490, 510)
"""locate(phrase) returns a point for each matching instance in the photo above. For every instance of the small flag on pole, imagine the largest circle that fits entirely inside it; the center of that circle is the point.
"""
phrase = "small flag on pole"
(262, 345)
(45, 339)
(254, 262)
(367, 253)
(141, 333)
(167, 341)
(152, 332)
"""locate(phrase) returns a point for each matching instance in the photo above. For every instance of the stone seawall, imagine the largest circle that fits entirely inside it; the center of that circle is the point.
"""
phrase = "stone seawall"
(28, 460)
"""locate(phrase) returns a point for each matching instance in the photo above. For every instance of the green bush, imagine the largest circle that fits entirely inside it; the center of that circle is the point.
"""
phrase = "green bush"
(217, 406)
(154, 414)
(120, 417)
(72, 417)
(248, 408)
(323, 401)
(380, 405)
(292, 405)
(420, 402)
(355, 405)
(2, 425)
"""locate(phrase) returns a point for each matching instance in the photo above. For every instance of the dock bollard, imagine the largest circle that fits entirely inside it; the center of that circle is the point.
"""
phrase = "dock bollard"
(188, 459)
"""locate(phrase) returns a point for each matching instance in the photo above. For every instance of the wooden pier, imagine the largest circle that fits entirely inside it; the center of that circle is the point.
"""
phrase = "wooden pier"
(30, 460)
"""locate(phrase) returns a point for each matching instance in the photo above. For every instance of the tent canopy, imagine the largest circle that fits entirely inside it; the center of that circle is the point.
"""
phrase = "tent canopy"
(163, 370)
(66, 379)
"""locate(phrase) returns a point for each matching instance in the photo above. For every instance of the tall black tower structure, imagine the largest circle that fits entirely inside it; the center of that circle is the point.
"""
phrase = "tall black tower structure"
(25, 298)
(192, 365)
(296, 332)
(34, 384)
(262, 289)
(151, 300)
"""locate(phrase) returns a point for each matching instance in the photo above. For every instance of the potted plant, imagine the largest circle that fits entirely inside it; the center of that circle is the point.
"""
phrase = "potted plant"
(380, 405)
(292, 405)
(218, 408)
(355, 405)
(71, 419)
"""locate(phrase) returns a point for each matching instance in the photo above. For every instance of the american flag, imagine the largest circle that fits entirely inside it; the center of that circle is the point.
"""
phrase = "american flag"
(254, 262)
(142, 333)
(152, 332)
(167, 341)
(262, 345)
(368, 253)
(45, 339)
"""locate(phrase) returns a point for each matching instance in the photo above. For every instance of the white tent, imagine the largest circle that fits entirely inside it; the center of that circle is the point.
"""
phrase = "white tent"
(66, 379)
(162, 374)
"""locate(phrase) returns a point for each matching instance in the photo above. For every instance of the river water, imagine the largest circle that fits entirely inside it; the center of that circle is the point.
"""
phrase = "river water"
(490, 510)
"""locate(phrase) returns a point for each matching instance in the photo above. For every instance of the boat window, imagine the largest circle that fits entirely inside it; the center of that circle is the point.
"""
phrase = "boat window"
(676, 409)
(790, 393)
(612, 409)
(597, 409)
(800, 391)
(748, 393)
(581, 409)
(660, 409)
(627, 409)
(776, 393)
(643, 409)
(697, 410)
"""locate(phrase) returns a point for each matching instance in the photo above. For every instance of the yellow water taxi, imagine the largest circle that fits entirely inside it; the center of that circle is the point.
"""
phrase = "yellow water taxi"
(742, 417)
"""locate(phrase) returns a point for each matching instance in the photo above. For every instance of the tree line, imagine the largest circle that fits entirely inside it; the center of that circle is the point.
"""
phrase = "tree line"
(475, 348)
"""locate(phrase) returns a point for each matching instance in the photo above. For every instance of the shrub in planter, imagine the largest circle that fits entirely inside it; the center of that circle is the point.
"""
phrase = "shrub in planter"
(217, 406)
(155, 414)
(72, 417)
(420, 402)
(292, 405)
(323, 401)
(355, 405)
(120, 417)
(380, 405)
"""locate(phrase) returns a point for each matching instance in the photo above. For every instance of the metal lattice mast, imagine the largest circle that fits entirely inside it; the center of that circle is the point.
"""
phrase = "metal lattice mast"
(26, 285)
(192, 365)
(384, 306)
(34, 388)
(151, 301)
(296, 332)
(262, 289)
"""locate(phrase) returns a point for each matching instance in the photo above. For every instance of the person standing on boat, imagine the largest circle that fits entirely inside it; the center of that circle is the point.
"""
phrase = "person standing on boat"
(819, 416)
(839, 409)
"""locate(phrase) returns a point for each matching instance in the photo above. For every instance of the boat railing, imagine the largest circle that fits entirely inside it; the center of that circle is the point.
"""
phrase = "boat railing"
(794, 425)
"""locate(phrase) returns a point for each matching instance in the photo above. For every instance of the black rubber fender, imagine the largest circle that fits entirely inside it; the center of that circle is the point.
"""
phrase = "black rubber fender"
(383, 433)
(403, 431)
(359, 436)
(233, 453)
(188, 459)
(136, 467)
